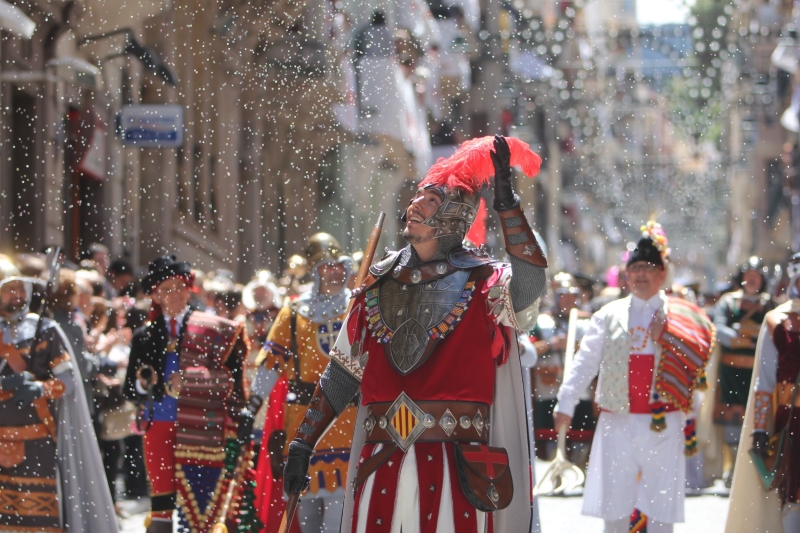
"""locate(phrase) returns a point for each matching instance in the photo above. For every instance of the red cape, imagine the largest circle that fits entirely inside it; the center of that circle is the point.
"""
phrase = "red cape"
(269, 491)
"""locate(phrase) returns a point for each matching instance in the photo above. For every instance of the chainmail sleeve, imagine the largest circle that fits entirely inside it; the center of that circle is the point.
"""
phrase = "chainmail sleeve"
(528, 283)
(339, 386)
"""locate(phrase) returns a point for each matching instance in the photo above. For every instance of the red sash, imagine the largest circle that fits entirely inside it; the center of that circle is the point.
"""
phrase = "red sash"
(640, 381)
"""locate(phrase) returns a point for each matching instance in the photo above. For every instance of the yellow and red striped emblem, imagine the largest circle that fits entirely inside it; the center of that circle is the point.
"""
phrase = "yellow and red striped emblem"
(404, 421)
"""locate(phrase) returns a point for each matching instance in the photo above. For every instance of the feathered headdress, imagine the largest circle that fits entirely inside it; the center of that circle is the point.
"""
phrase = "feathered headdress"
(471, 167)
(653, 231)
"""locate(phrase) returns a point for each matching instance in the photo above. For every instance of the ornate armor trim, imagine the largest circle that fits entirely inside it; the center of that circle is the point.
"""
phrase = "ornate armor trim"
(408, 342)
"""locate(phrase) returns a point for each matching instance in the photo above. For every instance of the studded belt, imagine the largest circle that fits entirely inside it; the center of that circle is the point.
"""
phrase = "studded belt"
(405, 422)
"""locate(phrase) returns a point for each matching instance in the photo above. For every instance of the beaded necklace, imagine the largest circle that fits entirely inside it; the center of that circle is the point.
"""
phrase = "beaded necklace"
(639, 330)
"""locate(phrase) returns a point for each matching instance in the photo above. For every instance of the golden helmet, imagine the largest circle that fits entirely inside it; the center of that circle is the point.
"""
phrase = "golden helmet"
(322, 247)
(7, 267)
(296, 266)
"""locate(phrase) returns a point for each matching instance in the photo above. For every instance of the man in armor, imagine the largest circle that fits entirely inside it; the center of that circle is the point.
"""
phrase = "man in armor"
(297, 349)
(441, 439)
(51, 473)
(549, 337)
(772, 423)
(738, 317)
(185, 370)
(650, 351)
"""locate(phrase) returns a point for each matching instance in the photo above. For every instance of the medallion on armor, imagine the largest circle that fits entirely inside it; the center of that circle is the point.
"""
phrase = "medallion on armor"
(412, 317)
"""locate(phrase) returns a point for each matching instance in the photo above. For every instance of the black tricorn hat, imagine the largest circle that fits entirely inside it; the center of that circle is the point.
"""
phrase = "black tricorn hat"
(165, 267)
(646, 251)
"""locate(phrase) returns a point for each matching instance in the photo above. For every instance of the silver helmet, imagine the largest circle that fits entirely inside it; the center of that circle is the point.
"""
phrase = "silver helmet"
(456, 213)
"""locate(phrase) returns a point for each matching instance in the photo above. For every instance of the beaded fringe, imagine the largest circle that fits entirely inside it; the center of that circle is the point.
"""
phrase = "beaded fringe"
(659, 422)
(702, 383)
(690, 438)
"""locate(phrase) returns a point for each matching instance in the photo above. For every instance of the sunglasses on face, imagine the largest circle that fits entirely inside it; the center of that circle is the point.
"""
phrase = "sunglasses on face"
(642, 267)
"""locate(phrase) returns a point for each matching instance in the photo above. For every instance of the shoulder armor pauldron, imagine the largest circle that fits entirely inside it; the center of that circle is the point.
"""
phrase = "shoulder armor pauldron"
(461, 257)
(379, 269)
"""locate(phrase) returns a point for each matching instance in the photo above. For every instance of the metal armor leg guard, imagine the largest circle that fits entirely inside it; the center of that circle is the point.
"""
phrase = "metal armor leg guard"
(519, 238)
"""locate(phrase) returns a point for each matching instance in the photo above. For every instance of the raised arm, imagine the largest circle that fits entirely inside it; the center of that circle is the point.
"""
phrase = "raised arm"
(528, 262)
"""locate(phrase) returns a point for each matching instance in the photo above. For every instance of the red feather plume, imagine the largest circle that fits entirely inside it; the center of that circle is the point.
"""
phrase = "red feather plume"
(477, 232)
(471, 167)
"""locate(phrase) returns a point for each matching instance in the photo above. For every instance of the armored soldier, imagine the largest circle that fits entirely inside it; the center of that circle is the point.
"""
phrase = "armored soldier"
(186, 371)
(441, 442)
(549, 337)
(297, 350)
(772, 423)
(738, 317)
(51, 474)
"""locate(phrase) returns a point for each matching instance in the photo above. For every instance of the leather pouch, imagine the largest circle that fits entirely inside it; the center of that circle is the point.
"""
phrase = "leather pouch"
(484, 476)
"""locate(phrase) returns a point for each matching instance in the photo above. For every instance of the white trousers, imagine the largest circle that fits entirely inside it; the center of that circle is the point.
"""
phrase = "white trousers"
(633, 467)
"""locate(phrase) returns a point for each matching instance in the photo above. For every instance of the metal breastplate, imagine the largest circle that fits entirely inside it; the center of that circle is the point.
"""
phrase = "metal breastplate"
(410, 318)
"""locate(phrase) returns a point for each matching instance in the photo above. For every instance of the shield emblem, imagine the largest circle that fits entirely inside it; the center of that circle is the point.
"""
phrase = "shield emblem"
(326, 335)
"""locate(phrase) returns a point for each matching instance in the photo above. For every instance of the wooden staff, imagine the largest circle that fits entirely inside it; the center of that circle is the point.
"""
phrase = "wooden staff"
(363, 270)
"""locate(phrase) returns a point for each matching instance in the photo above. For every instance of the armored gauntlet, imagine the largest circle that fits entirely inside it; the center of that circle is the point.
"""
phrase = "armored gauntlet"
(319, 417)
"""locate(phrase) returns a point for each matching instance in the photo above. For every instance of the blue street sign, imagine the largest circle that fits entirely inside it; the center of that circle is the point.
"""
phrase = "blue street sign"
(151, 126)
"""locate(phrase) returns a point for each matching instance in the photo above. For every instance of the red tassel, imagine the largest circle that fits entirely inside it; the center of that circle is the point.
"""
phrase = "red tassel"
(471, 167)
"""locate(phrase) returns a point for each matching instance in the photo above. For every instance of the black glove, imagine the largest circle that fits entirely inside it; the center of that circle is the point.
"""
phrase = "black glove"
(27, 393)
(14, 381)
(295, 473)
(504, 197)
(760, 443)
(244, 432)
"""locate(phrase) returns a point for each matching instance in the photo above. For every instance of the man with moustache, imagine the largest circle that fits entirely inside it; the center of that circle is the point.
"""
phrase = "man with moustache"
(51, 474)
(441, 442)
(297, 349)
(738, 317)
(649, 351)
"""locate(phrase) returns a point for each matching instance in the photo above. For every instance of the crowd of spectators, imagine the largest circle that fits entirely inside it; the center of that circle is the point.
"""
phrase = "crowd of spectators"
(98, 303)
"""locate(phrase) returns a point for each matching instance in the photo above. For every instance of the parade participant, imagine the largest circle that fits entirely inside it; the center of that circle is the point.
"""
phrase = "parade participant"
(771, 419)
(430, 341)
(649, 351)
(297, 349)
(51, 474)
(549, 338)
(185, 369)
(738, 317)
(262, 300)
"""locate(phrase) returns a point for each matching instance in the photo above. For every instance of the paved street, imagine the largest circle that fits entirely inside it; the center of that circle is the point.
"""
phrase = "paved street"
(704, 513)
(138, 511)
(562, 514)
